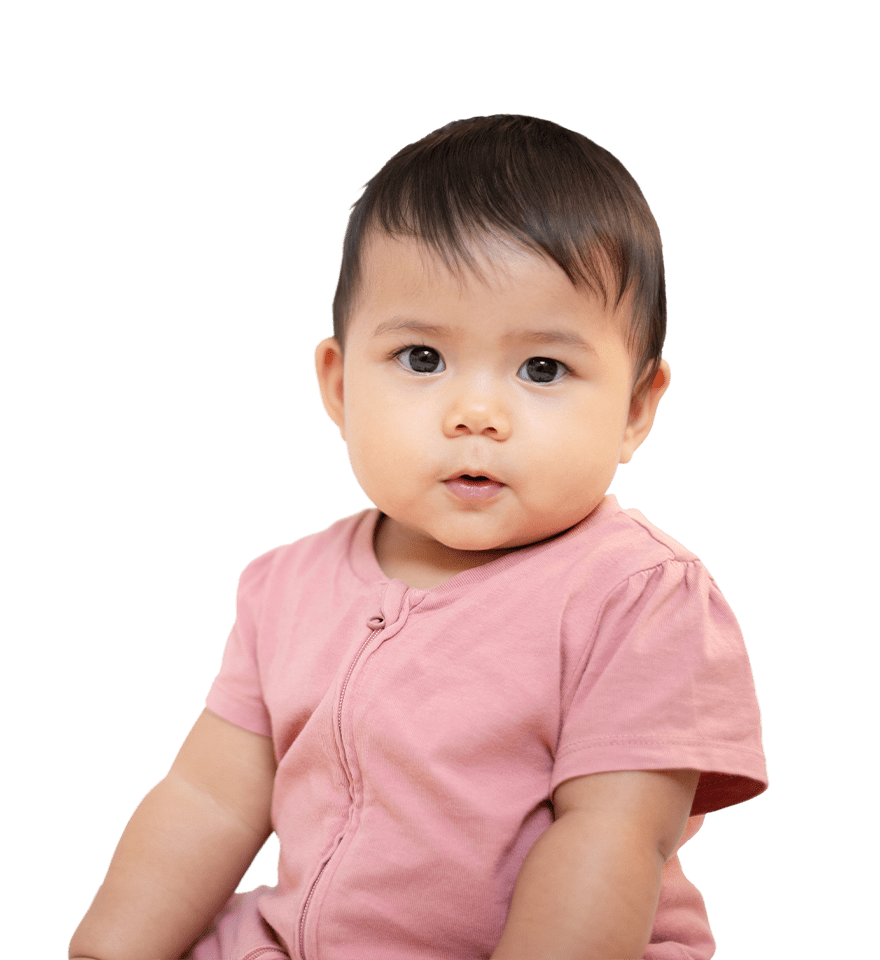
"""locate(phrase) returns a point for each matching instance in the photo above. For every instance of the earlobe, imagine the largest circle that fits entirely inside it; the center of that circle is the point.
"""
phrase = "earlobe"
(642, 412)
(328, 363)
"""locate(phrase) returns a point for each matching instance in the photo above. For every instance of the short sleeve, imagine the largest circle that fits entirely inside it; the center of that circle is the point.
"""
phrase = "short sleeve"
(237, 693)
(664, 684)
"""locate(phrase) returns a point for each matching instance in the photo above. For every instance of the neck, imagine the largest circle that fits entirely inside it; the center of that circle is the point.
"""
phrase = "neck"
(420, 561)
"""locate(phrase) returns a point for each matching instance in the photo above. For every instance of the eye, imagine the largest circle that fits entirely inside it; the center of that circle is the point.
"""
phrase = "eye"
(542, 370)
(421, 360)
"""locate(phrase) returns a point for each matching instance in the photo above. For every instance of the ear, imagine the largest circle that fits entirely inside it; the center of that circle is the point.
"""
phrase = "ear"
(328, 361)
(643, 408)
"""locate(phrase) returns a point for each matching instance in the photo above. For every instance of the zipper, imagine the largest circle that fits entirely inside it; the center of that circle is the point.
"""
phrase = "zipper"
(375, 624)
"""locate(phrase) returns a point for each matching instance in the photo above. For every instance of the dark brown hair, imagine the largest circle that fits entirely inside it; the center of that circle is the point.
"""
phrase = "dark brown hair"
(548, 188)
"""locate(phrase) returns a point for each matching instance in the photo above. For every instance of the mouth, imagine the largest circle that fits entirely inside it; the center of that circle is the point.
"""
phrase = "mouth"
(474, 478)
(470, 486)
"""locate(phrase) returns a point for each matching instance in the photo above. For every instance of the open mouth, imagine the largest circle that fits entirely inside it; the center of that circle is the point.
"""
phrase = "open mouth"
(468, 486)
(475, 478)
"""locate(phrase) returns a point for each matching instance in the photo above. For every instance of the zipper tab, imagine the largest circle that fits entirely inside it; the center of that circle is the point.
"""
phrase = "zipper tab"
(376, 623)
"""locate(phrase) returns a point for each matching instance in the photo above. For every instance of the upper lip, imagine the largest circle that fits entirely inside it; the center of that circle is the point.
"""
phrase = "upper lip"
(474, 474)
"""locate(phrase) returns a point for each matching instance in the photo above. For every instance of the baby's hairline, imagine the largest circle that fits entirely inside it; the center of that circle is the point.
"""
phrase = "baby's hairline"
(460, 261)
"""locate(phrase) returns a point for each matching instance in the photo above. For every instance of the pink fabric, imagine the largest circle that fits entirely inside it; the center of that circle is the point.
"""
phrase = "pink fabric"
(239, 933)
(420, 733)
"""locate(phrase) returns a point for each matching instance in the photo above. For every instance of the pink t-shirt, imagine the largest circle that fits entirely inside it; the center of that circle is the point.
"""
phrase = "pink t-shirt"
(420, 733)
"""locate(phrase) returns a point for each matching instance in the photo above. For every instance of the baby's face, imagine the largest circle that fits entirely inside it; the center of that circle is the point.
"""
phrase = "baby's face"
(481, 413)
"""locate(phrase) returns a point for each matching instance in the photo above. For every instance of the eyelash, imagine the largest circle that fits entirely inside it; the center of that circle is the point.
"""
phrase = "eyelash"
(398, 355)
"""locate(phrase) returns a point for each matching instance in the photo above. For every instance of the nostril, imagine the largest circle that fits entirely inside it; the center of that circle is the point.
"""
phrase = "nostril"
(464, 428)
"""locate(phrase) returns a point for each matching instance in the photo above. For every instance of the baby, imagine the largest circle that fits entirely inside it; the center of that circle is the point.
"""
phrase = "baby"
(482, 717)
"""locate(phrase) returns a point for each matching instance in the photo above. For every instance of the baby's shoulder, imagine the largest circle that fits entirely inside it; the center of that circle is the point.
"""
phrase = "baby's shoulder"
(632, 569)
(316, 554)
(651, 541)
(622, 543)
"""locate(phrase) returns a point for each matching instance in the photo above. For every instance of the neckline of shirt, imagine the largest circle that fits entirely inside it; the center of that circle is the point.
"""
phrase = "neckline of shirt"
(364, 564)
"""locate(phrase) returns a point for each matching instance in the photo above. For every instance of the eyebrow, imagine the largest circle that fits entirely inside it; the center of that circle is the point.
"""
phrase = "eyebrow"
(527, 336)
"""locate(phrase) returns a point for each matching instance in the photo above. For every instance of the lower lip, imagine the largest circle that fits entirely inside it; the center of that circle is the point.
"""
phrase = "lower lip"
(473, 489)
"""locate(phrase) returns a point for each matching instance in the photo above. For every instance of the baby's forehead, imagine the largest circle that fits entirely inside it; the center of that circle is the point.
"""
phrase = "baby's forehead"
(491, 264)
(486, 259)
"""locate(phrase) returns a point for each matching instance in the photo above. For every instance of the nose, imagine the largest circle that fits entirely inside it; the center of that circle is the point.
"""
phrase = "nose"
(477, 412)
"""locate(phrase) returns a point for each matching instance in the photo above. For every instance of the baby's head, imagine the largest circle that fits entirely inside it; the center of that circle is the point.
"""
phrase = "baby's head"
(498, 323)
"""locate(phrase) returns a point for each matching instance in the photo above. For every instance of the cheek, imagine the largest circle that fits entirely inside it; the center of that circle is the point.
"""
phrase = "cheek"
(381, 436)
(373, 421)
(582, 442)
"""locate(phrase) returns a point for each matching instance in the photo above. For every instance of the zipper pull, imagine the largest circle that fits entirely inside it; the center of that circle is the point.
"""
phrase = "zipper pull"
(376, 623)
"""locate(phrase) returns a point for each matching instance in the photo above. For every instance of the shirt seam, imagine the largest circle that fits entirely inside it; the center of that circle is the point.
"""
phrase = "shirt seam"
(600, 613)
(613, 739)
(219, 691)
(262, 951)
(644, 525)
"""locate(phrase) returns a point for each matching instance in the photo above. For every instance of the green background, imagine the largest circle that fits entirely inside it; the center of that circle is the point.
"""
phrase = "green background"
(176, 183)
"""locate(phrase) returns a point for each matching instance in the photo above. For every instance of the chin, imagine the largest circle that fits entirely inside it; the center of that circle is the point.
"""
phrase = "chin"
(469, 544)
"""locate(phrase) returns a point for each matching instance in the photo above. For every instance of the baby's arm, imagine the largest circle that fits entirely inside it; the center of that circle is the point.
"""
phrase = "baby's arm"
(185, 849)
(588, 888)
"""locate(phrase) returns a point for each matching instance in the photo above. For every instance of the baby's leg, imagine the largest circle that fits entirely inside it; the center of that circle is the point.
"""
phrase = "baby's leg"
(238, 933)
